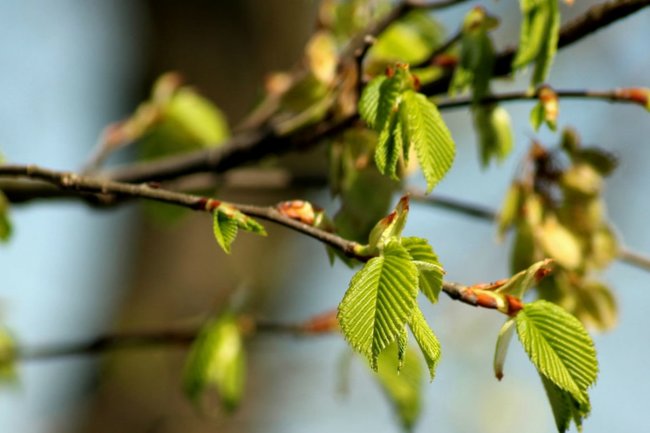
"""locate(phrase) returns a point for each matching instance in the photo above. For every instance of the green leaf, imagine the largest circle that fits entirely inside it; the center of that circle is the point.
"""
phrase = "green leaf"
(430, 271)
(537, 116)
(494, 132)
(559, 243)
(559, 347)
(379, 301)
(226, 222)
(369, 101)
(424, 129)
(501, 350)
(389, 227)
(565, 408)
(539, 36)
(509, 209)
(7, 357)
(5, 223)
(390, 147)
(404, 388)
(426, 339)
(217, 359)
(225, 230)
(520, 283)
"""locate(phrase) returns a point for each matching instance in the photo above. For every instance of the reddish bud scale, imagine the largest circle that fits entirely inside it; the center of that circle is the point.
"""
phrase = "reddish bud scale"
(445, 61)
(390, 71)
(514, 305)
(207, 204)
(542, 273)
(638, 95)
(298, 210)
(321, 323)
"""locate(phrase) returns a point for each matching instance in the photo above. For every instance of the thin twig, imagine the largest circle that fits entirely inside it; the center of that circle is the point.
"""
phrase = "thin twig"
(623, 95)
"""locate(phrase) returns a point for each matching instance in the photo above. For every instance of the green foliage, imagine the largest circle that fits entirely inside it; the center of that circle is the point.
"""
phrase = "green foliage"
(477, 54)
(501, 350)
(427, 341)
(7, 357)
(403, 119)
(5, 223)
(557, 211)
(379, 302)
(404, 387)
(381, 298)
(494, 131)
(226, 222)
(540, 30)
(546, 110)
(563, 353)
(217, 360)
(429, 268)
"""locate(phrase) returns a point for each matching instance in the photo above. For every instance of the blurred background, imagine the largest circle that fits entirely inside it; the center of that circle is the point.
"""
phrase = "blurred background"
(71, 273)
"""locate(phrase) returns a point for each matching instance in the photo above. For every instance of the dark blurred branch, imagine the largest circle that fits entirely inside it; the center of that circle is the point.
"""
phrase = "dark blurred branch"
(253, 145)
(623, 95)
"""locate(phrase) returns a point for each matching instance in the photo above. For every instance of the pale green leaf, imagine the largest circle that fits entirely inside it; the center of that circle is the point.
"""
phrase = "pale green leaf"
(494, 132)
(559, 347)
(501, 350)
(403, 388)
(369, 101)
(426, 339)
(217, 360)
(390, 226)
(425, 130)
(402, 346)
(539, 37)
(520, 283)
(559, 243)
(389, 148)
(431, 272)
(379, 301)
(7, 357)
(5, 223)
(225, 230)
(537, 116)
(565, 408)
(510, 209)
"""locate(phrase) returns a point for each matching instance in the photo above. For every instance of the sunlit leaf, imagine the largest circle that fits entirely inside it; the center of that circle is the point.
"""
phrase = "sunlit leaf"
(390, 226)
(379, 301)
(390, 147)
(509, 209)
(321, 54)
(226, 222)
(5, 223)
(217, 360)
(538, 38)
(426, 339)
(565, 407)
(494, 132)
(403, 388)
(559, 347)
(425, 130)
(503, 342)
(430, 271)
(559, 243)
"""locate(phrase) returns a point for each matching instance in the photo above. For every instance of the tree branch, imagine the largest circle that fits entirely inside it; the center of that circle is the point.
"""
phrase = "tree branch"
(622, 95)
(625, 255)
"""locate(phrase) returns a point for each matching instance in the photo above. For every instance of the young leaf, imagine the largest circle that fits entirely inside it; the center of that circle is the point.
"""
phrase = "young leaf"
(424, 129)
(379, 301)
(5, 223)
(426, 339)
(369, 101)
(227, 220)
(559, 243)
(430, 271)
(494, 132)
(390, 147)
(509, 209)
(520, 283)
(403, 388)
(217, 359)
(540, 30)
(225, 230)
(390, 226)
(565, 408)
(7, 357)
(501, 350)
(559, 347)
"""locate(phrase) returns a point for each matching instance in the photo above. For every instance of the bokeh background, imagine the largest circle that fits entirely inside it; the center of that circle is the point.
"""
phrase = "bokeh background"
(70, 273)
